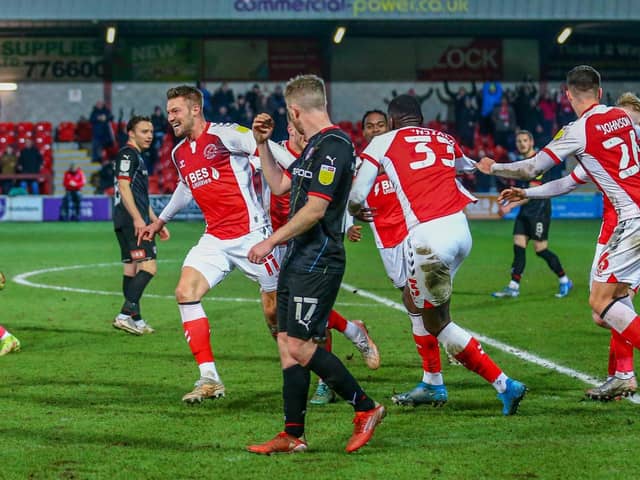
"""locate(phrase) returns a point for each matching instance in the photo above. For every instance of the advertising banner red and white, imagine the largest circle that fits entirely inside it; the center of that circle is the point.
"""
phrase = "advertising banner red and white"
(457, 59)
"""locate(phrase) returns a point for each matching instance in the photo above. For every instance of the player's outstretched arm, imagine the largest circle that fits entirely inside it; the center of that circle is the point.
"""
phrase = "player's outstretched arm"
(522, 170)
(164, 233)
(365, 179)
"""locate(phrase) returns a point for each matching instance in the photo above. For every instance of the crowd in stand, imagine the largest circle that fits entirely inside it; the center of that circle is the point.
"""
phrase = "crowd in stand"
(483, 118)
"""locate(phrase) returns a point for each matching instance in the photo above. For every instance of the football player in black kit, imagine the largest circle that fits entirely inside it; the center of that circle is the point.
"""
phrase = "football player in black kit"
(131, 213)
(314, 263)
(532, 223)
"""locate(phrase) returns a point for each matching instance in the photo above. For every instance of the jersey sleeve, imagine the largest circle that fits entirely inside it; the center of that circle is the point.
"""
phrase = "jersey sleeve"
(332, 158)
(239, 139)
(126, 164)
(567, 142)
(580, 175)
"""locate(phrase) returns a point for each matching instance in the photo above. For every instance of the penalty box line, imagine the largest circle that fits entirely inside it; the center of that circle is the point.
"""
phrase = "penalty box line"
(503, 347)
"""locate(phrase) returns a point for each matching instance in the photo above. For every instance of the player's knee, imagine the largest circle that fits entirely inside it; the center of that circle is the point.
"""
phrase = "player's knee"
(598, 303)
(150, 267)
(185, 293)
(438, 282)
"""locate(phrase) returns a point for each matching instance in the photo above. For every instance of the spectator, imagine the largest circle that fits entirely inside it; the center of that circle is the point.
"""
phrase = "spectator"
(73, 182)
(207, 108)
(222, 115)
(30, 161)
(253, 98)
(160, 125)
(102, 180)
(564, 112)
(8, 163)
(467, 120)
(222, 97)
(101, 132)
(459, 103)
(525, 93)
(491, 95)
(504, 120)
(241, 112)
(277, 108)
(548, 108)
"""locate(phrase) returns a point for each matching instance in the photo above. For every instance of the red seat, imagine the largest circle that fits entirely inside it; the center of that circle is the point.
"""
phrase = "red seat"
(66, 132)
(7, 127)
(43, 127)
(24, 129)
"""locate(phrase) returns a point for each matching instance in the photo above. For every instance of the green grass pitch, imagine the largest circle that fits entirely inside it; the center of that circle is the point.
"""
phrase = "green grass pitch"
(83, 400)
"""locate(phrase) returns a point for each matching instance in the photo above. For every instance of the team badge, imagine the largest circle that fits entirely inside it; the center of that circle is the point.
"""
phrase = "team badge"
(327, 174)
(210, 151)
(125, 165)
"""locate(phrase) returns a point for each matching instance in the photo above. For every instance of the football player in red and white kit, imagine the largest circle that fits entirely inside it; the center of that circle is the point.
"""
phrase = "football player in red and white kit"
(356, 331)
(420, 162)
(389, 232)
(213, 165)
(603, 140)
(621, 379)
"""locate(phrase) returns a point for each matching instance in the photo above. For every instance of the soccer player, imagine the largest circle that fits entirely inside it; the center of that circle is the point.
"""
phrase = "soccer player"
(8, 343)
(604, 141)
(131, 214)
(532, 223)
(621, 380)
(421, 164)
(389, 231)
(212, 161)
(278, 208)
(319, 181)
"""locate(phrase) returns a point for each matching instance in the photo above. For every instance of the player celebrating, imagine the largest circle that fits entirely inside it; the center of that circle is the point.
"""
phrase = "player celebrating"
(532, 222)
(213, 166)
(421, 164)
(314, 263)
(604, 142)
(621, 379)
(131, 214)
(8, 343)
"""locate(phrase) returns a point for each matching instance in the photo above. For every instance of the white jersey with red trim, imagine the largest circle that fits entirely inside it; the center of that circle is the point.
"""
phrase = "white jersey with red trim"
(603, 140)
(609, 216)
(420, 162)
(216, 168)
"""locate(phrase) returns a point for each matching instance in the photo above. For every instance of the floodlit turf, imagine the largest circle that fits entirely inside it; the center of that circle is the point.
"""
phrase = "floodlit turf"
(83, 400)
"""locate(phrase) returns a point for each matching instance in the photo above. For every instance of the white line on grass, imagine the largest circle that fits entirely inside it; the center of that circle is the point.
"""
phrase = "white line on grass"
(521, 354)
(22, 279)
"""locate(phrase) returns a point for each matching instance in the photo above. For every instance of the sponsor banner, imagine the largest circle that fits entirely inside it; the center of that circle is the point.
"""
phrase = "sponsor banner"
(460, 59)
(157, 59)
(486, 208)
(360, 9)
(617, 59)
(49, 58)
(221, 59)
(95, 209)
(190, 212)
(21, 209)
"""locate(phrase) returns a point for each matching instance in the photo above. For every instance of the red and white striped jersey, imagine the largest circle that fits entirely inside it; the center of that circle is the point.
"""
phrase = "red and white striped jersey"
(216, 168)
(389, 226)
(603, 140)
(609, 216)
(420, 162)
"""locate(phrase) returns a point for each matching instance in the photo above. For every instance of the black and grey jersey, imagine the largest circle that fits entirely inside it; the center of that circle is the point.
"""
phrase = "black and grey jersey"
(129, 165)
(324, 169)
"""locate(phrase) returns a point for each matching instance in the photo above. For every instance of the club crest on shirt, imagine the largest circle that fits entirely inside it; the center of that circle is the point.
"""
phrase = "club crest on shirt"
(326, 175)
(210, 151)
(125, 165)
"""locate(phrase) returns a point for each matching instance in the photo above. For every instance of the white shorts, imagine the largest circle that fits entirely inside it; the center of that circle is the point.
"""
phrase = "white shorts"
(434, 251)
(619, 261)
(215, 259)
(395, 265)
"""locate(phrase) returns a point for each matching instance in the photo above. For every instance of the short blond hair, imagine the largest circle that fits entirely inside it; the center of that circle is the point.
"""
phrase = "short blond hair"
(630, 100)
(189, 93)
(306, 91)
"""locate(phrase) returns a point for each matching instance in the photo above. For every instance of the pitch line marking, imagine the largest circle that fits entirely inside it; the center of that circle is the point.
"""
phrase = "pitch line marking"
(521, 354)
(23, 279)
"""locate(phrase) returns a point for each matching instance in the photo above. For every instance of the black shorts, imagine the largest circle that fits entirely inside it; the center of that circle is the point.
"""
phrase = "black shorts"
(130, 251)
(536, 228)
(305, 301)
